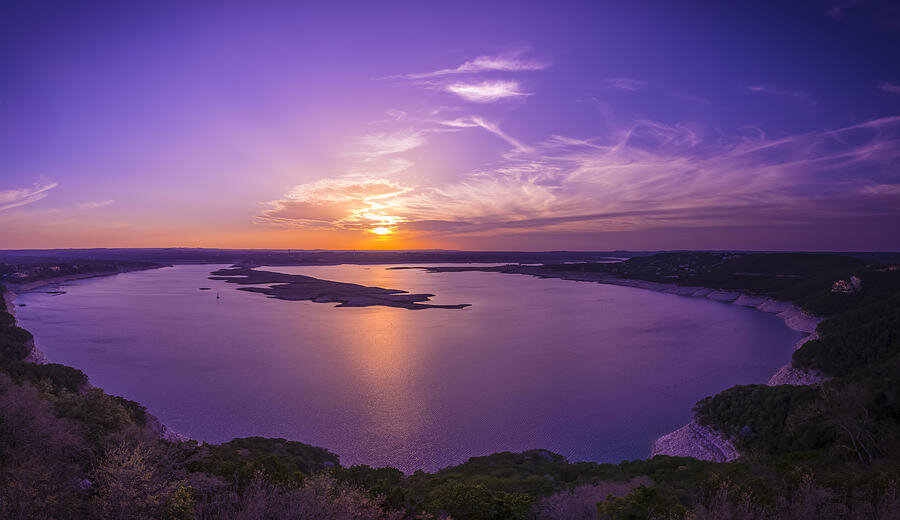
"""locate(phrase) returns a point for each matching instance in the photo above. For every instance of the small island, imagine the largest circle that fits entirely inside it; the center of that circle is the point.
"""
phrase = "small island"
(299, 287)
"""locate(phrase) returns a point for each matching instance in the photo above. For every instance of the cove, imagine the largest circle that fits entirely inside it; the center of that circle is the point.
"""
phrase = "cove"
(594, 372)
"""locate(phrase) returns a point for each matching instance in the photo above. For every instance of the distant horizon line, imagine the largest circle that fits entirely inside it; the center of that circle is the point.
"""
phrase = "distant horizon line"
(321, 250)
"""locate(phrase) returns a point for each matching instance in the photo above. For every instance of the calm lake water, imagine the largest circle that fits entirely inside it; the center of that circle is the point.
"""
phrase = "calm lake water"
(594, 372)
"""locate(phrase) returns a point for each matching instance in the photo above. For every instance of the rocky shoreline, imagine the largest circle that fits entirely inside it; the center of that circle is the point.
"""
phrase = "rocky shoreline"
(693, 439)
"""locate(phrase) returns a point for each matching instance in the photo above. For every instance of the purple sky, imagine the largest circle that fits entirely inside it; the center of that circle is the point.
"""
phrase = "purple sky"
(593, 125)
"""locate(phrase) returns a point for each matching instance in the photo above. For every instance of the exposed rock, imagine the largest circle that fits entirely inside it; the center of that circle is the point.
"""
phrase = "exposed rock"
(747, 300)
(723, 296)
(35, 355)
(788, 375)
(163, 431)
(697, 441)
(798, 319)
(693, 439)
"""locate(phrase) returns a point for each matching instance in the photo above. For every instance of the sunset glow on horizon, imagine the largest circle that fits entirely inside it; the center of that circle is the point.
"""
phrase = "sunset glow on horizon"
(597, 126)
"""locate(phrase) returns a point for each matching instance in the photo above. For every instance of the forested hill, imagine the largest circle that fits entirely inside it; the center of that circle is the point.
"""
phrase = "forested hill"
(68, 450)
(807, 279)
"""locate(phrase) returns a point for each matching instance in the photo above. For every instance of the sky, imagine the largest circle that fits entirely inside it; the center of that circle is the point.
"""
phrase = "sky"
(455, 125)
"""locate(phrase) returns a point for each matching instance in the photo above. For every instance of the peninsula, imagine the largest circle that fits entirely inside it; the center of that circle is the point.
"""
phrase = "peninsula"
(299, 287)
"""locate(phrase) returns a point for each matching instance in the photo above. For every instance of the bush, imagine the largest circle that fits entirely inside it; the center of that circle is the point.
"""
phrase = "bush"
(756, 417)
(240, 460)
(58, 376)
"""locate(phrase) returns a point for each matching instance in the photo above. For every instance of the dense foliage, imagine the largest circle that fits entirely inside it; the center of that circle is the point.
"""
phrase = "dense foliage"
(867, 335)
(755, 416)
(803, 278)
(280, 460)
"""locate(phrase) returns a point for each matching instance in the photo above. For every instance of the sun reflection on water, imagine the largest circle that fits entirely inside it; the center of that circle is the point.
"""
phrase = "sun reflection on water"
(388, 365)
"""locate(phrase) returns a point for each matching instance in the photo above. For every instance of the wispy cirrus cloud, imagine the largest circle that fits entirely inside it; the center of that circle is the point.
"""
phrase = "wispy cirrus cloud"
(19, 197)
(646, 176)
(796, 95)
(889, 87)
(486, 91)
(379, 145)
(476, 80)
(93, 204)
(626, 84)
(642, 175)
(478, 122)
(379, 154)
(382, 167)
(512, 61)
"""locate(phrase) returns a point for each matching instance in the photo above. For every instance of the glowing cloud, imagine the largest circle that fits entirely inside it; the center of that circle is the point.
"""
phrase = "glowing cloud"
(506, 62)
(335, 203)
(646, 176)
(486, 91)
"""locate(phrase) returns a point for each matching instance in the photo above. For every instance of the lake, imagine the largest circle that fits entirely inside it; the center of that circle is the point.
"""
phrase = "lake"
(594, 372)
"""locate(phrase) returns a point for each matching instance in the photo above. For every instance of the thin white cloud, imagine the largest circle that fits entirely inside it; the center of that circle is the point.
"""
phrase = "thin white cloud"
(653, 175)
(889, 87)
(690, 98)
(378, 145)
(382, 167)
(15, 198)
(504, 62)
(796, 95)
(378, 155)
(626, 84)
(478, 122)
(93, 204)
(486, 91)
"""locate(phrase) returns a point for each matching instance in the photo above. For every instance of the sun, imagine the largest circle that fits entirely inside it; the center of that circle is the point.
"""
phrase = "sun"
(381, 231)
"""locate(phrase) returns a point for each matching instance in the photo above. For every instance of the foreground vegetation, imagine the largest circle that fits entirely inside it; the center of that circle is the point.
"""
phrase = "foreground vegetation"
(68, 450)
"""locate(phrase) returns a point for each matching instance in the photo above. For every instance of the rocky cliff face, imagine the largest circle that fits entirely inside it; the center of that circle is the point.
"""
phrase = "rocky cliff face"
(697, 441)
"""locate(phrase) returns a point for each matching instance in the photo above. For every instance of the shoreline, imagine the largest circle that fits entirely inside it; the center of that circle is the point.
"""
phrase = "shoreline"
(16, 288)
(38, 357)
(693, 439)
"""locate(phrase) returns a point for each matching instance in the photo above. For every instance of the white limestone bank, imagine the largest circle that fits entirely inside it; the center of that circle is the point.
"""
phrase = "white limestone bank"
(697, 441)
(693, 439)
(704, 443)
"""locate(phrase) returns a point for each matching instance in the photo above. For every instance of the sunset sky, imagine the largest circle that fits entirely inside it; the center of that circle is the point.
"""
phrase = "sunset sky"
(456, 125)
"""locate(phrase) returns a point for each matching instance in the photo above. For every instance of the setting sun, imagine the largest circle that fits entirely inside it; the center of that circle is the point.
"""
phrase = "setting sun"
(381, 231)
